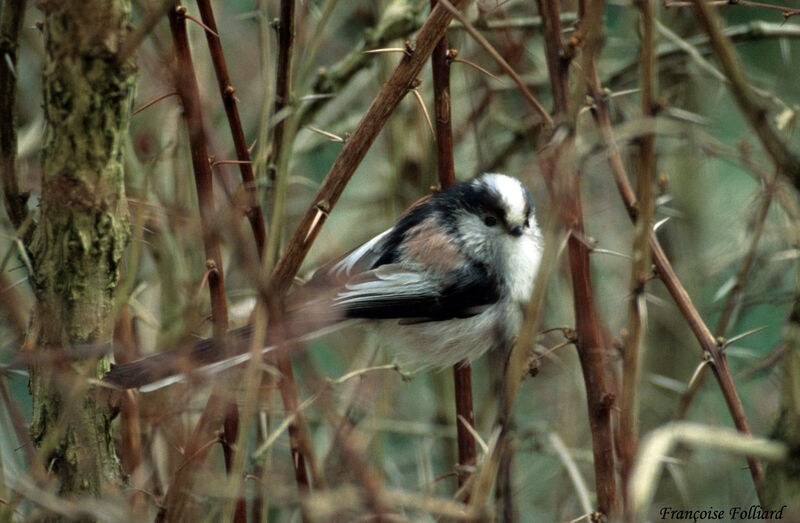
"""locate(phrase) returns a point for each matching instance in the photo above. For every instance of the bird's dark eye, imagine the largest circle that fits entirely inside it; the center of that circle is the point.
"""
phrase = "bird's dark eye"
(490, 221)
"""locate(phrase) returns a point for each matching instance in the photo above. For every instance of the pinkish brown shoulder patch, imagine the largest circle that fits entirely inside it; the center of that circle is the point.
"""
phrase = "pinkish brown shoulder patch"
(427, 245)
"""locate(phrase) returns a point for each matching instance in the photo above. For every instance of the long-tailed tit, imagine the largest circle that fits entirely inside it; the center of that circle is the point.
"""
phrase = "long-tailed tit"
(445, 284)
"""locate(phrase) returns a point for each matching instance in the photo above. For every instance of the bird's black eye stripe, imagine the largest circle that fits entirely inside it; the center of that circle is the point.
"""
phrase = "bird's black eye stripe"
(490, 221)
(527, 223)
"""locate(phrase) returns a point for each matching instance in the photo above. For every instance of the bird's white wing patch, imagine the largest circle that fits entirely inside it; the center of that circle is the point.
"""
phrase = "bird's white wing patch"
(344, 267)
(386, 282)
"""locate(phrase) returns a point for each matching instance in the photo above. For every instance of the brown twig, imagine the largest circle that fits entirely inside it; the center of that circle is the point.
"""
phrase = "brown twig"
(540, 110)
(563, 181)
(177, 500)
(356, 147)
(153, 102)
(755, 113)
(10, 25)
(462, 373)
(186, 84)
(640, 267)
(733, 296)
(667, 275)
(227, 91)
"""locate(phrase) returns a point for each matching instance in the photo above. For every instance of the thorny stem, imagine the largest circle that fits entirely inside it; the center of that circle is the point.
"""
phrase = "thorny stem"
(640, 268)
(177, 500)
(733, 296)
(227, 92)
(667, 275)
(462, 372)
(278, 161)
(186, 85)
(563, 181)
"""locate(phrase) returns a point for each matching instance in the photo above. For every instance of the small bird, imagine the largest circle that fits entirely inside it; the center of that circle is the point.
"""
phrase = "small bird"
(445, 284)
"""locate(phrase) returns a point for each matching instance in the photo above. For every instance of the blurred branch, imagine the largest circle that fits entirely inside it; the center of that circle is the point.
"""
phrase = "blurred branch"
(356, 148)
(399, 19)
(640, 266)
(137, 36)
(732, 301)
(227, 91)
(755, 113)
(660, 442)
(696, 46)
(518, 22)
(11, 16)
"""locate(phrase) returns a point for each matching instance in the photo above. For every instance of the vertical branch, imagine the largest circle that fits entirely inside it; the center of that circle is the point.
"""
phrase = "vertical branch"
(277, 173)
(674, 286)
(462, 372)
(558, 67)
(227, 91)
(178, 504)
(10, 25)
(186, 85)
(640, 268)
(560, 171)
(277, 164)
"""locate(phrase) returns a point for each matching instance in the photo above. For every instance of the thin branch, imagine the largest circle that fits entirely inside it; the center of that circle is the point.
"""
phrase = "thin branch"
(153, 102)
(640, 267)
(227, 91)
(186, 85)
(177, 501)
(561, 174)
(462, 372)
(667, 274)
(540, 110)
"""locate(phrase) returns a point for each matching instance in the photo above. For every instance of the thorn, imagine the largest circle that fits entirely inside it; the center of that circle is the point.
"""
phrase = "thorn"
(726, 343)
(698, 370)
(323, 209)
(424, 112)
(198, 22)
(332, 137)
(386, 50)
(476, 67)
(153, 101)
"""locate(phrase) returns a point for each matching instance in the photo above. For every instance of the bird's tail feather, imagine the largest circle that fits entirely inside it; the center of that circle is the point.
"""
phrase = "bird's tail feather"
(213, 355)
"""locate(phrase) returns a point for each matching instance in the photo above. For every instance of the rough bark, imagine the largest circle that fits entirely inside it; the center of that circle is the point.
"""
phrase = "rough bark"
(81, 233)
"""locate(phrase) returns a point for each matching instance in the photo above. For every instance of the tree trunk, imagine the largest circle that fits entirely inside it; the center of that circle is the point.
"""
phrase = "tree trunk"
(81, 234)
